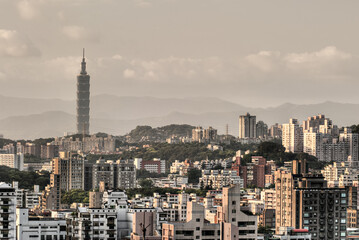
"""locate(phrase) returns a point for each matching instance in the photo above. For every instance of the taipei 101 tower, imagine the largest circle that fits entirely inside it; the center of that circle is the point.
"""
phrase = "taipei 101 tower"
(83, 99)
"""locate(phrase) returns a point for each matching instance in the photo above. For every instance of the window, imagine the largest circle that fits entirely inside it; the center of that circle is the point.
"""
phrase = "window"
(198, 219)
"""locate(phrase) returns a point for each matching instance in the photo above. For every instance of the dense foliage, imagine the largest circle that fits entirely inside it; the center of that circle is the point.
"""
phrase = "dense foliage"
(92, 158)
(193, 175)
(275, 151)
(183, 151)
(355, 128)
(4, 141)
(75, 196)
(148, 134)
(146, 183)
(26, 179)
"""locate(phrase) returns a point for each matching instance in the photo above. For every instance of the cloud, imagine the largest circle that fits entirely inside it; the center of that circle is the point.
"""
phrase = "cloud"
(117, 57)
(326, 54)
(28, 9)
(14, 44)
(266, 61)
(79, 33)
(129, 73)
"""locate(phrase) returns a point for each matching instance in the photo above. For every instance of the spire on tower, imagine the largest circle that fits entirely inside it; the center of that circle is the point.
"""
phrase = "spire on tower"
(83, 63)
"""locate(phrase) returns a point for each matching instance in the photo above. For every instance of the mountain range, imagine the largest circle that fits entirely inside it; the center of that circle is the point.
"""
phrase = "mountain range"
(26, 118)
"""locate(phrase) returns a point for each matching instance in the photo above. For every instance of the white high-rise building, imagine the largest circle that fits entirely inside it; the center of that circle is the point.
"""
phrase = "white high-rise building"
(292, 136)
(8, 212)
(13, 160)
(312, 144)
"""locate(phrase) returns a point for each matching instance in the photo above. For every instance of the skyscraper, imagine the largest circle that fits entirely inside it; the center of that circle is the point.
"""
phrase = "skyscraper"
(247, 126)
(292, 136)
(83, 99)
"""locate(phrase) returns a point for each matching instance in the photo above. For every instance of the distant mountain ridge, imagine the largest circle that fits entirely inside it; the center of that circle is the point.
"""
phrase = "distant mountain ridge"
(22, 118)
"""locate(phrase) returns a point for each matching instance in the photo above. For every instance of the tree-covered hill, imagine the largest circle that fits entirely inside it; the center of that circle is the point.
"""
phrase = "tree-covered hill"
(148, 134)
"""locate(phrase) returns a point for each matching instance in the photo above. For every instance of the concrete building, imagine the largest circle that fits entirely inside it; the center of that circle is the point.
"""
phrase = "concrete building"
(92, 223)
(83, 99)
(104, 171)
(147, 221)
(290, 233)
(195, 226)
(71, 171)
(247, 126)
(275, 131)
(305, 202)
(154, 166)
(51, 196)
(230, 212)
(268, 196)
(292, 136)
(216, 179)
(126, 174)
(261, 130)
(351, 146)
(38, 228)
(312, 143)
(7, 212)
(13, 160)
(204, 135)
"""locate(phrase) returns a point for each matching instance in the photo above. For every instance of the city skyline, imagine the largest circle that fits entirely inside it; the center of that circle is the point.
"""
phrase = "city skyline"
(236, 56)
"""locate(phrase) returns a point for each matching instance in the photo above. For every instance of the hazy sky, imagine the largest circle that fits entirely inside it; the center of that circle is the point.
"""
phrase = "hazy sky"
(256, 53)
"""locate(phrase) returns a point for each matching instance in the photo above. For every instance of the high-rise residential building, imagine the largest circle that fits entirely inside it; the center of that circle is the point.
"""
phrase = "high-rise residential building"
(103, 171)
(261, 129)
(247, 126)
(303, 201)
(312, 143)
(12, 160)
(351, 146)
(126, 177)
(8, 212)
(83, 99)
(200, 134)
(275, 131)
(70, 170)
(292, 136)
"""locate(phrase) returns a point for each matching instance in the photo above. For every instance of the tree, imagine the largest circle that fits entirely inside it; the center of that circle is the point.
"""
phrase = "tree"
(193, 175)
(355, 128)
(75, 196)
(146, 183)
(26, 179)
